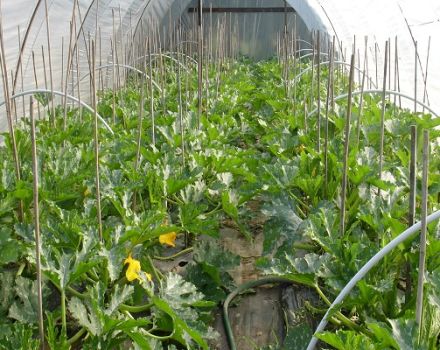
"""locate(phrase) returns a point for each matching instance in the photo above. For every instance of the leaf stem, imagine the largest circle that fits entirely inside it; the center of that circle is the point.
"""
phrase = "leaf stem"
(174, 256)
(136, 308)
(63, 312)
(77, 336)
(345, 320)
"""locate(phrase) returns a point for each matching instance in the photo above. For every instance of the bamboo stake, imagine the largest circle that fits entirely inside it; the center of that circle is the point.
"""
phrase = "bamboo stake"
(14, 103)
(200, 61)
(425, 92)
(9, 113)
(295, 63)
(412, 204)
(36, 81)
(312, 79)
(50, 62)
(37, 226)
(327, 105)
(78, 82)
(415, 76)
(150, 80)
(361, 101)
(377, 63)
(21, 73)
(346, 147)
(96, 139)
(182, 126)
(382, 114)
(318, 73)
(113, 82)
(398, 74)
(424, 212)
(286, 68)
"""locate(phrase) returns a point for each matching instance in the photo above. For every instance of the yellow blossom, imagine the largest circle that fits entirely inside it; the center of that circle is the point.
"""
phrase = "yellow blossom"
(133, 269)
(168, 239)
(149, 278)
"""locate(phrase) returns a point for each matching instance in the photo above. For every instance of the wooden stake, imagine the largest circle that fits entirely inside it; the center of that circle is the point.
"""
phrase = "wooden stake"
(50, 62)
(412, 204)
(96, 139)
(382, 114)
(327, 105)
(361, 101)
(424, 212)
(346, 147)
(318, 73)
(415, 76)
(150, 80)
(200, 61)
(425, 92)
(37, 226)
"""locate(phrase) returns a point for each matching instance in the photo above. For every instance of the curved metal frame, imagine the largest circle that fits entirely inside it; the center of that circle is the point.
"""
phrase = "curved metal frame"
(325, 63)
(366, 268)
(166, 56)
(59, 93)
(378, 91)
(176, 53)
(123, 66)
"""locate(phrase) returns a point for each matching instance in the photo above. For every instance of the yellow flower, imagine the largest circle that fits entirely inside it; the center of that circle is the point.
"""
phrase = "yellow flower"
(133, 269)
(168, 239)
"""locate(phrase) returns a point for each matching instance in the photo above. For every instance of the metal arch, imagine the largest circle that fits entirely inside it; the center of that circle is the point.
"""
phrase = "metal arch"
(123, 66)
(179, 53)
(377, 91)
(311, 54)
(365, 269)
(59, 93)
(187, 42)
(328, 62)
(163, 55)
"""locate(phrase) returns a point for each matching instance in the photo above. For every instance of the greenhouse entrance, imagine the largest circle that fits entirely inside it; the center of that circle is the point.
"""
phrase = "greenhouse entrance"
(203, 174)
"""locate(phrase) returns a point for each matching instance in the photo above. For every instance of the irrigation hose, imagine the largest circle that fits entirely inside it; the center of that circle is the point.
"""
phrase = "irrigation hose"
(243, 287)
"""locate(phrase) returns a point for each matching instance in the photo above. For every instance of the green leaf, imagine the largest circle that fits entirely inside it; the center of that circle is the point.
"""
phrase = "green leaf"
(25, 308)
(114, 259)
(178, 292)
(182, 331)
(9, 248)
(405, 333)
(118, 297)
(298, 337)
(85, 318)
(343, 340)
(230, 203)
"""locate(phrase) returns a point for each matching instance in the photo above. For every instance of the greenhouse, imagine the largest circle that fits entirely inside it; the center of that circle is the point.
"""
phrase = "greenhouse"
(219, 174)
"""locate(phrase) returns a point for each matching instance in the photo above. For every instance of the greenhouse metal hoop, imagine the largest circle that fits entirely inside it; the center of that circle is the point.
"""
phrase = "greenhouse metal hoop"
(187, 42)
(177, 53)
(123, 66)
(366, 268)
(59, 93)
(166, 56)
(376, 91)
(308, 69)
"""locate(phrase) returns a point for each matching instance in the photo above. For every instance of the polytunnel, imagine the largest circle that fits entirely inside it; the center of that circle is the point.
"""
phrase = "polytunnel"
(206, 174)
